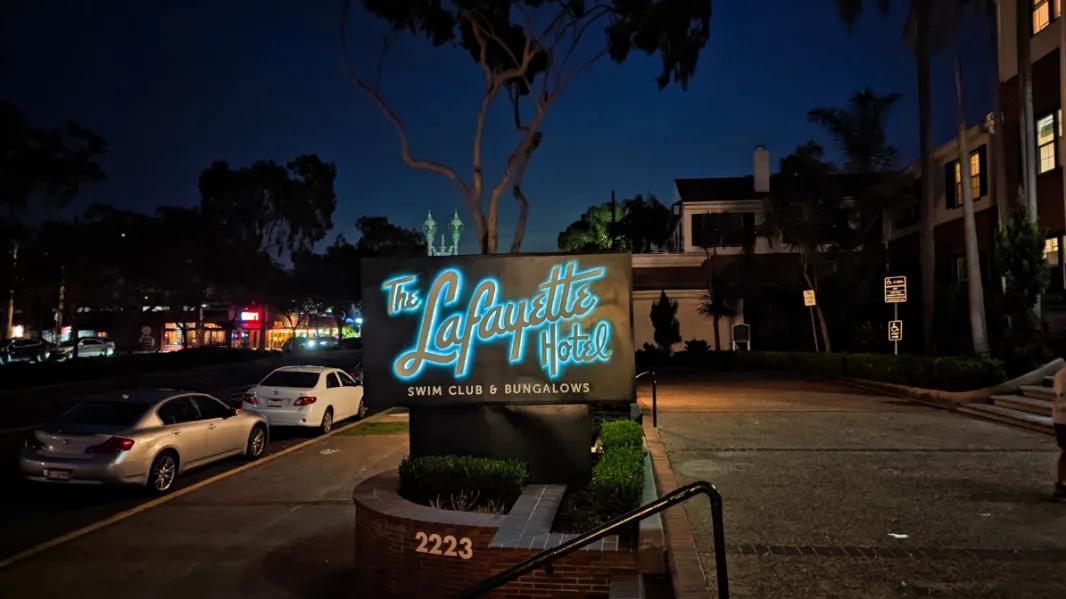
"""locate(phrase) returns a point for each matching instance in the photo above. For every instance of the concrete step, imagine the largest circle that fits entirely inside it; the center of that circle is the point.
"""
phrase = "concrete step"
(1040, 407)
(1049, 381)
(1041, 424)
(626, 586)
(1038, 392)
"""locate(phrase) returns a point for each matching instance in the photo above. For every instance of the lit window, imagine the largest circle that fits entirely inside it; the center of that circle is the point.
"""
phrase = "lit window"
(960, 268)
(1051, 251)
(975, 179)
(1045, 142)
(1042, 16)
(958, 186)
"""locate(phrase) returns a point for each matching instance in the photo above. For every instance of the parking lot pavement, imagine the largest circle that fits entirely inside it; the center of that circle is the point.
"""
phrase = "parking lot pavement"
(833, 492)
(282, 529)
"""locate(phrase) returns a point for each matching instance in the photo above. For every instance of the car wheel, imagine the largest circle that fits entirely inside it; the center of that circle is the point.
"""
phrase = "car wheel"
(163, 472)
(257, 442)
(362, 409)
(327, 422)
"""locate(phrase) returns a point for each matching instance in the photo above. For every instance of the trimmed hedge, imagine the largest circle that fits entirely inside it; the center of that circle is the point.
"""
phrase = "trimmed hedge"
(21, 374)
(477, 483)
(927, 372)
(618, 478)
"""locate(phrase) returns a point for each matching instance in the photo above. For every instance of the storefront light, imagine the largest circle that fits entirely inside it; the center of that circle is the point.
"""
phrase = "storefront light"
(359, 320)
(18, 330)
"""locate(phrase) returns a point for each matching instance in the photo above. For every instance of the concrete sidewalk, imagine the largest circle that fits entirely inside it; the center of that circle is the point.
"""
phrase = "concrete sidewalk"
(282, 529)
(832, 492)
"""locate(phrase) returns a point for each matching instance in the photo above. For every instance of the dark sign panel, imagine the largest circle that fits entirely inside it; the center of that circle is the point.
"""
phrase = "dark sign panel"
(526, 328)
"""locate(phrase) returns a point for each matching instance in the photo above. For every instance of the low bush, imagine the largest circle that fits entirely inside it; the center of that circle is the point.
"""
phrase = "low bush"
(929, 372)
(617, 483)
(19, 375)
(462, 482)
(621, 434)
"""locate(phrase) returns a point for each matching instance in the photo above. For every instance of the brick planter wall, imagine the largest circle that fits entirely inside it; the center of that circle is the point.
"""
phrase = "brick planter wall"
(388, 564)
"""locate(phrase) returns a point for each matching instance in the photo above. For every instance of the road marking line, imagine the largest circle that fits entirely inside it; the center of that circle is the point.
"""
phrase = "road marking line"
(81, 532)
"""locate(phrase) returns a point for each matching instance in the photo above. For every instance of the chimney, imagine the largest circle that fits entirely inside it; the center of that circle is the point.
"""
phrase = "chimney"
(762, 170)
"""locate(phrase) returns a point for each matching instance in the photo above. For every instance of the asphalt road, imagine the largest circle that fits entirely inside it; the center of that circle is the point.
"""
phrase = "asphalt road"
(34, 513)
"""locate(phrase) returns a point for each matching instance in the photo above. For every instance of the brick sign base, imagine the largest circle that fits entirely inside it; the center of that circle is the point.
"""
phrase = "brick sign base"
(409, 551)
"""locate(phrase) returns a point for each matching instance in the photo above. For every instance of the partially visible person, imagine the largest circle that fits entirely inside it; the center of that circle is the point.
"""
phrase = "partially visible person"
(1058, 417)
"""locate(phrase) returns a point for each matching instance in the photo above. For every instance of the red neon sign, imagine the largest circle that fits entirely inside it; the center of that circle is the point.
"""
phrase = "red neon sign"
(248, 316)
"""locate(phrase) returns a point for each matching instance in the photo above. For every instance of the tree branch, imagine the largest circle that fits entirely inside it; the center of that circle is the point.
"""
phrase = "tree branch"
(519, 153)
(520, 197)
(401, 131)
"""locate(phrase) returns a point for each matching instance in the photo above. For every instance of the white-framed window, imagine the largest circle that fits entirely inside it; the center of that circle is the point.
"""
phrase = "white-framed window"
(1042, 15)
(960, 268)
(1051, 251)
(1046, 138)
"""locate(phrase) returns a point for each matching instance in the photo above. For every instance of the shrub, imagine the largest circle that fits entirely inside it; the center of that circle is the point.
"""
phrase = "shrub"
(618, 478)
(621, 434)
(697, 346)
(618, 481)
(480, 483)
(929, 372)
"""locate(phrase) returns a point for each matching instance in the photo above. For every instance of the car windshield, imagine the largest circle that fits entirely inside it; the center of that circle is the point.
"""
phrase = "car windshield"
(289, 378)
(105, 413)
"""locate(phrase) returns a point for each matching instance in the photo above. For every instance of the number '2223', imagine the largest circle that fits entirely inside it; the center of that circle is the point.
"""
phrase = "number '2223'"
(431, 544)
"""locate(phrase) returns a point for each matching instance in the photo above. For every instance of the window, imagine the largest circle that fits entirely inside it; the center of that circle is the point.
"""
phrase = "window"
(331, 381)
(978, 179)
(178, 411)
(1042, 16)
(348, 381)
(960, 269)
(1046, 143)
(1051, 251)
(210, 408)
(290, 378)
(723, 229)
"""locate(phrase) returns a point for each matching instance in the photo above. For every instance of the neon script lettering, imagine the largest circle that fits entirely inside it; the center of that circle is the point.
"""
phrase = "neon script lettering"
(447, 337)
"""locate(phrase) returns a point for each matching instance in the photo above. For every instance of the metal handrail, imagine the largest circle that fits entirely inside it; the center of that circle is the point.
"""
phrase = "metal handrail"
(654, 397)
(546, 557)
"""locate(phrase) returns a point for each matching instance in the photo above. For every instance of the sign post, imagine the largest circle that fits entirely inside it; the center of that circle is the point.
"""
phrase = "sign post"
(895, 294)
(809, 301)
(501, 356)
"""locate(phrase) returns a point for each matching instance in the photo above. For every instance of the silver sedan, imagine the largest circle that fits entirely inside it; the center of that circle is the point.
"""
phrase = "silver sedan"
(145, 437)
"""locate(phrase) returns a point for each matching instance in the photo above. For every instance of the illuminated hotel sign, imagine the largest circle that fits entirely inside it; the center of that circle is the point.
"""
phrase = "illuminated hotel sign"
(498, 329)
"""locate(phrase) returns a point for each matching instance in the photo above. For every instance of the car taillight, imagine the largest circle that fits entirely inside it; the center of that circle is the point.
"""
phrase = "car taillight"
(250, 398)
(112, 445)
(304, 400)
(32, 442)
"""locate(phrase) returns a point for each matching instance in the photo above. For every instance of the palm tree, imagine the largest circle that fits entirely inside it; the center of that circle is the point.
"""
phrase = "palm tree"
(919, 17)
(975, 288)
(859, 131)
(1027, 130)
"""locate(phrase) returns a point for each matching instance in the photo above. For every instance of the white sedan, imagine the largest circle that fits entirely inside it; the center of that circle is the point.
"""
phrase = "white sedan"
(306, 396)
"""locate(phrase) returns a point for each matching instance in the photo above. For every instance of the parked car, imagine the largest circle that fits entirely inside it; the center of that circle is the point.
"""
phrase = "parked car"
(306, 396)
(297, 345)
(88, 347)
(357, 373)
(351, 343)
(146, 437)
(25, 350)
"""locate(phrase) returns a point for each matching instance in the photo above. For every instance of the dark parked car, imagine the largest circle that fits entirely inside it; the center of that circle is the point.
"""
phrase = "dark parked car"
(25, 350)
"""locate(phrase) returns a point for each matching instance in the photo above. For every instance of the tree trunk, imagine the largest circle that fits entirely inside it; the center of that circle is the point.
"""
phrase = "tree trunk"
(1028, 124)
(999, 165)
(976, 292)
(927, 251)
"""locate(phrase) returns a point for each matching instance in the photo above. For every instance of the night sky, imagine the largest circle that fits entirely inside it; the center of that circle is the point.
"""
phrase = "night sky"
(174, 88)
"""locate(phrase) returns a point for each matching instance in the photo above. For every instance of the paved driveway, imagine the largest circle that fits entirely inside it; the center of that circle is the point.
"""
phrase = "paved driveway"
(831, 491)
(283, 529)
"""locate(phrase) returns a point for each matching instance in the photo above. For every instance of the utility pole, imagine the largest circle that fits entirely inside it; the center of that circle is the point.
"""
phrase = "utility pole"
(9, 330)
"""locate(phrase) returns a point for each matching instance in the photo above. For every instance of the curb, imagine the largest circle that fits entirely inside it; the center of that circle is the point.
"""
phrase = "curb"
(81, 532)
(686, 571)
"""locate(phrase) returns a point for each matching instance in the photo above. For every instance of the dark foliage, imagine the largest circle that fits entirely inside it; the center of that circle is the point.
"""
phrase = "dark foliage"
(664, 320)
(482, 483)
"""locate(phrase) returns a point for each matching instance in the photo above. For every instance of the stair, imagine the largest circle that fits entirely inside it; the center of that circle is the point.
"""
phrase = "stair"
(1038, 392)
(627, 586)
(1040, 407)
(1027, 420)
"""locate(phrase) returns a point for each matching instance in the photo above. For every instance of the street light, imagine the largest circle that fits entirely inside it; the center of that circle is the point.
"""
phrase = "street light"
(429, 229)
(457, 230)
